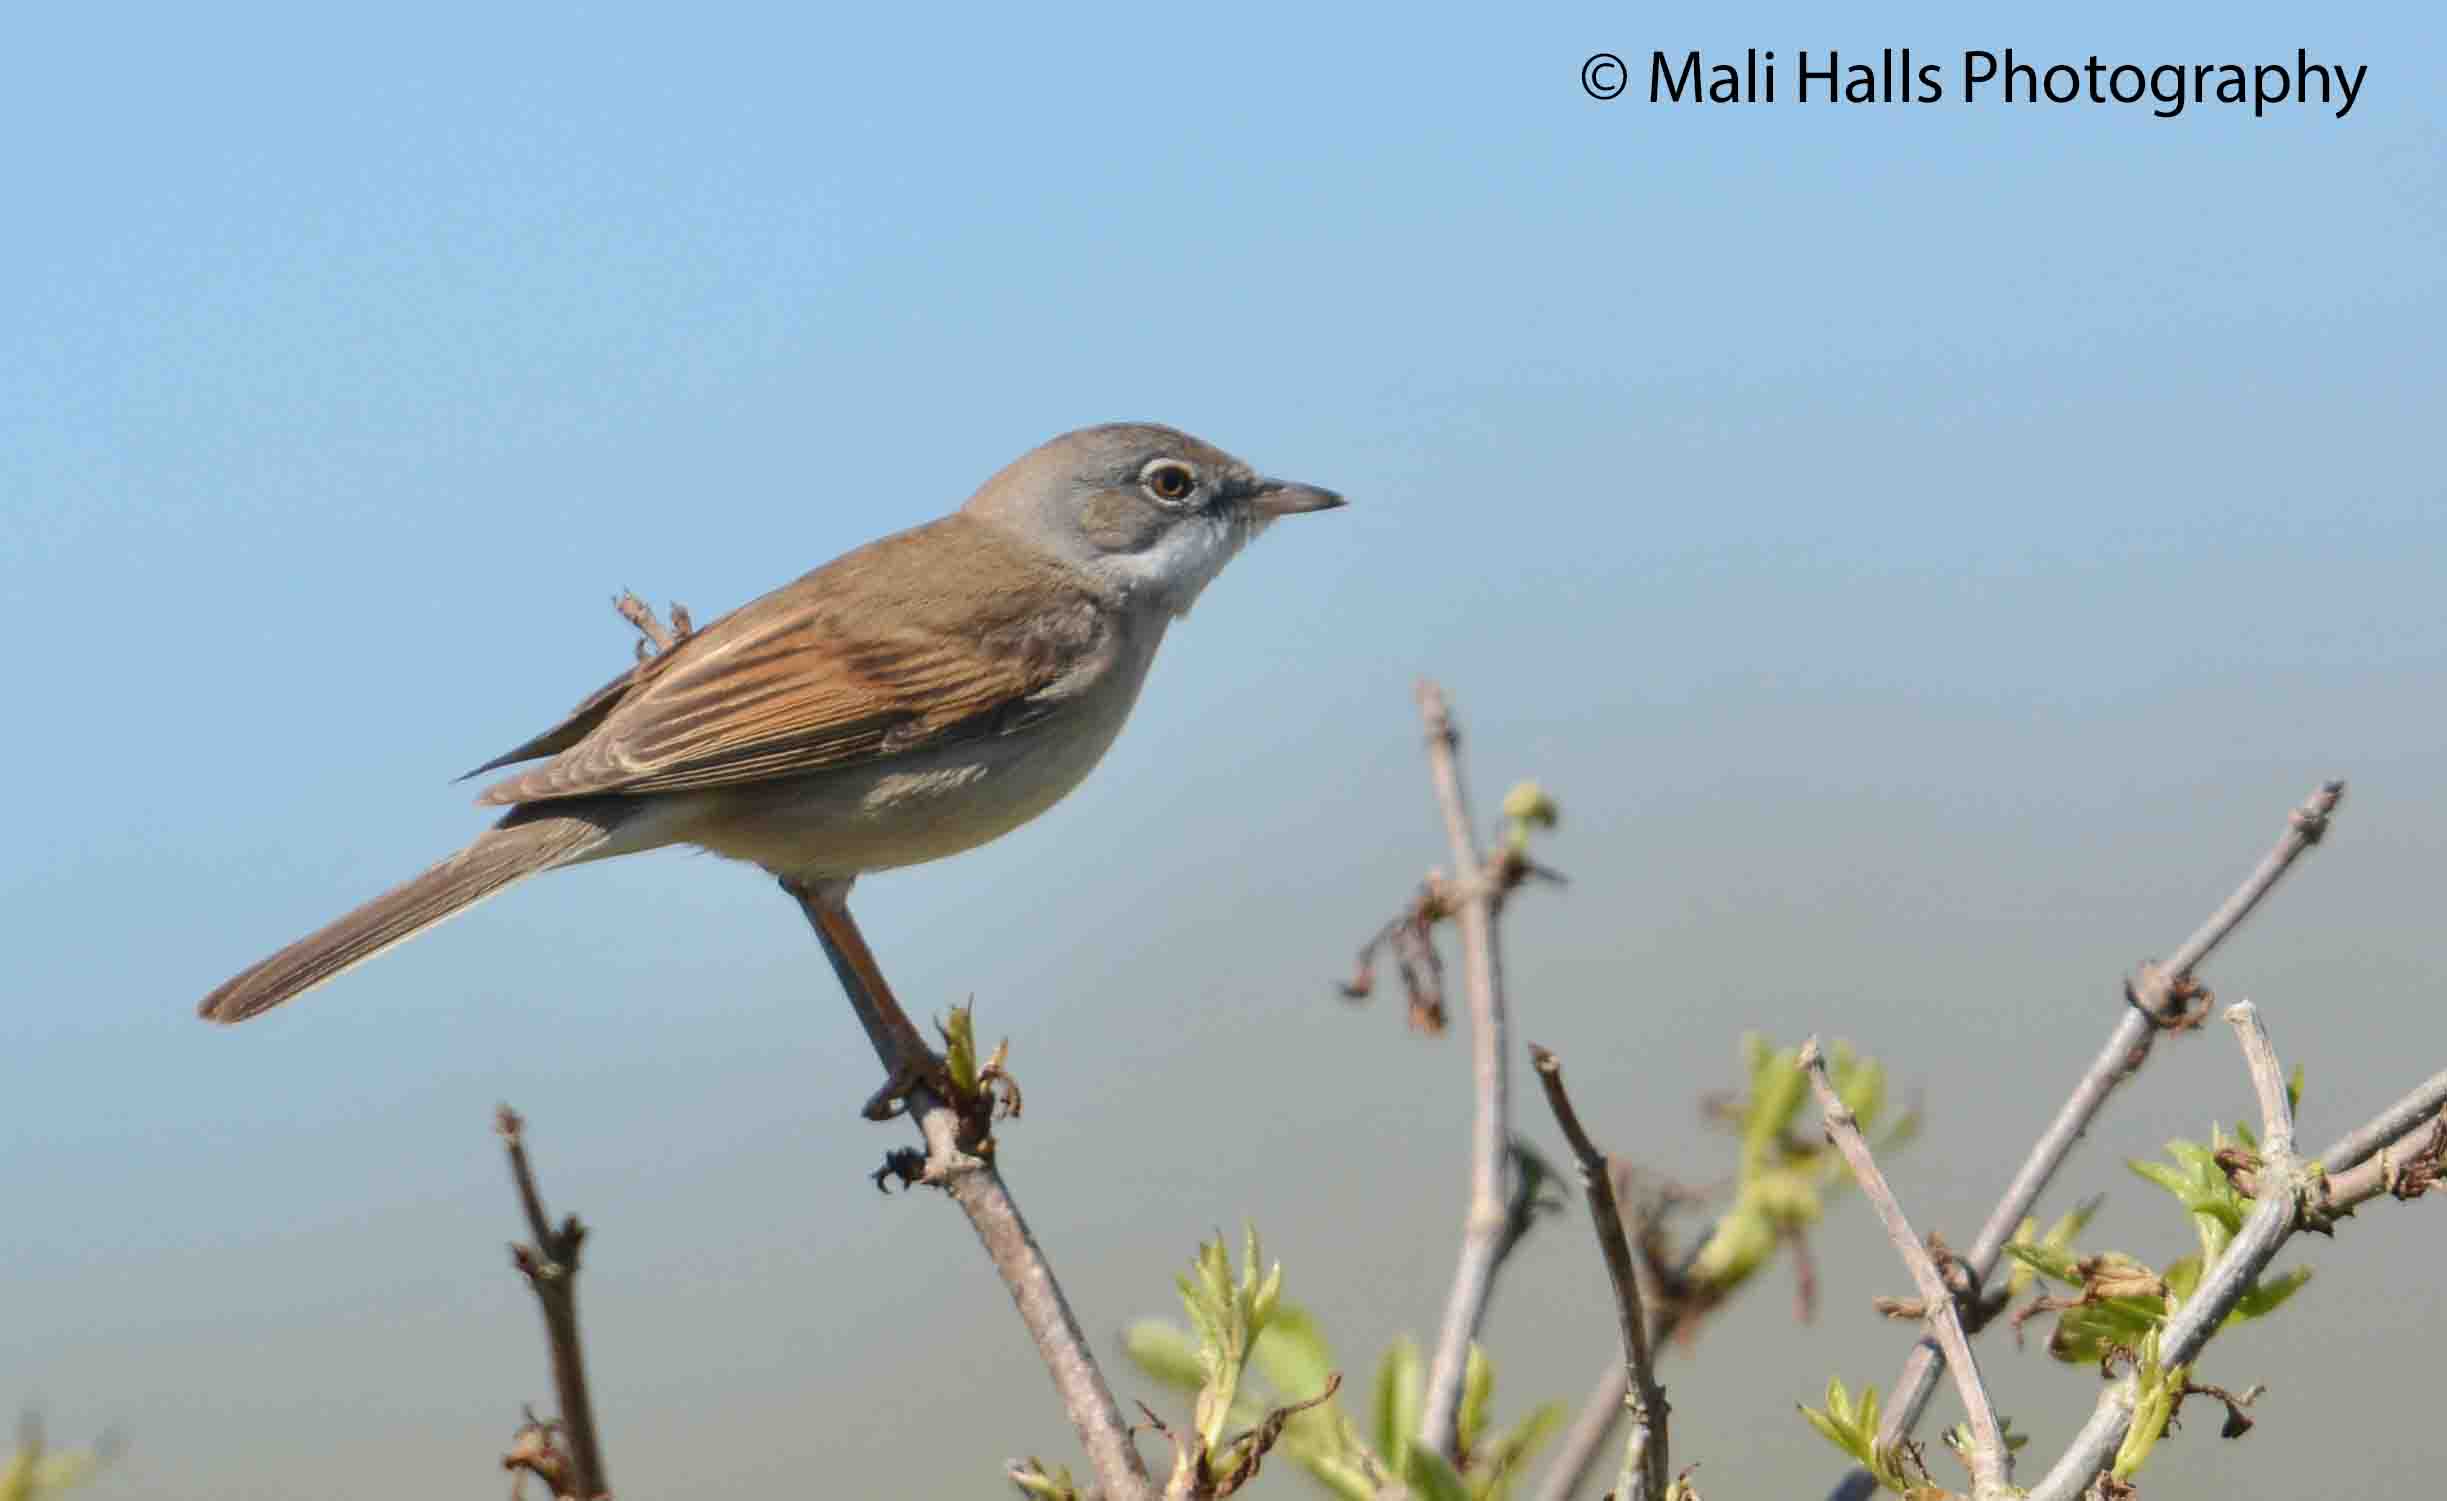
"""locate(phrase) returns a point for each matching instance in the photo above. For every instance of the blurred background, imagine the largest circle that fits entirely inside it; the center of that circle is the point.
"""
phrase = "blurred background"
(1926, 549)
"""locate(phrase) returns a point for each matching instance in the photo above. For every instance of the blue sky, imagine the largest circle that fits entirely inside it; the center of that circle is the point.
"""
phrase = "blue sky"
(1926, 548)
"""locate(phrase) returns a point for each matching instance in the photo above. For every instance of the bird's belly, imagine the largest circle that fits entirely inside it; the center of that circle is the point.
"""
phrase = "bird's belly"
(904, 811)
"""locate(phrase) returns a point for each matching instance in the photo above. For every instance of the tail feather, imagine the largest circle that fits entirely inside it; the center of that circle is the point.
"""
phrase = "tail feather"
(502, 855)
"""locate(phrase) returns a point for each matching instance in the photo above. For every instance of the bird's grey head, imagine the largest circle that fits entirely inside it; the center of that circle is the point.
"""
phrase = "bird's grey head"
(1150, 512)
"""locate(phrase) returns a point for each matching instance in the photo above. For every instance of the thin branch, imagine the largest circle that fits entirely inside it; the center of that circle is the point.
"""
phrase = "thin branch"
(2268, 1080)
(1576, 1453)
(2152, 994)
(2304, 828)
(1649, 1410)
(1593, 1426)
(550, 1265)
(2290, 1195)
(1992, 1464)
(2284, 1180)
(958, 1160)
(2391, 1126)
(2406, 1176)
(1483, 976)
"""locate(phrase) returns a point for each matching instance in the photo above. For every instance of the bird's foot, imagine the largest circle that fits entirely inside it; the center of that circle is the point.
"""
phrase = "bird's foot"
(978, 1091)
(653, 637)
(978, 1095)
(921, 1068)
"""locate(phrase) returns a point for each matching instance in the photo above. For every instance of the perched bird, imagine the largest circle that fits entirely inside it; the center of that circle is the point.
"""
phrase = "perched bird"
(906, 701)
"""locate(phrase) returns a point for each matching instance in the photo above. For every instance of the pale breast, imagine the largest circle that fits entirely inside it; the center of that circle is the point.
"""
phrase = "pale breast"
(927, 804)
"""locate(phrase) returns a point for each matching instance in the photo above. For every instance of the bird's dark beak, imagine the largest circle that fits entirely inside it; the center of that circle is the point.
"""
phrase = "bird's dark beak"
(1276, 497)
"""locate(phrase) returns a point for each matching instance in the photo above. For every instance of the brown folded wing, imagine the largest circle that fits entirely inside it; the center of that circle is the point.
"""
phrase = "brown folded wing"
(934, 635)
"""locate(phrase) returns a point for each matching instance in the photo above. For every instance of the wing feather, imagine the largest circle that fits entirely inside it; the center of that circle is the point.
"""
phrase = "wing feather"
(931, 636)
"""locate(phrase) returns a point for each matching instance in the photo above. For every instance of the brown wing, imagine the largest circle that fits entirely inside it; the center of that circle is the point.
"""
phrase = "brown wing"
(579, 722)
(934, 635)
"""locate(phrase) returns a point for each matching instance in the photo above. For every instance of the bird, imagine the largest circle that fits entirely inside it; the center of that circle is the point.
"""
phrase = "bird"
(910, 700)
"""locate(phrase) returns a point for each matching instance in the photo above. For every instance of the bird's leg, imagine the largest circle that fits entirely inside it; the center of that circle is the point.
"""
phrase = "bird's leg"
(912, 1063)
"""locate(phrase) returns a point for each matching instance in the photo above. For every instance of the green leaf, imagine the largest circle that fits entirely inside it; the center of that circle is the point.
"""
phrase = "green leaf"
(1527, 807)
(1399, 1388)
(2050, 1255)
(1036, 1480)
(2155, 1395)
(1477, 1390)
(2084, 1335)
(1430, 1475)
(2294, 1090)
(2183, 1275)
(1743, 1240)
(1345, 1479)
(1294, 1355)
(2269, 1295)
(2048, 1261)
(2200, 1161)
(1828, 1428)
(1850, 1427)
(2165, 1177)
(1227, 1315)
(960, 1049)
(1165, 1354)
(1504, 1456)
(1904, 1131)
(2073, 1222)
(34, 1472)
(1864, 1089)
(1774, 1101)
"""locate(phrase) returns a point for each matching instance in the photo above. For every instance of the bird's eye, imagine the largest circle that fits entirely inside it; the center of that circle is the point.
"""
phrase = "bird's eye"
(1168, 479)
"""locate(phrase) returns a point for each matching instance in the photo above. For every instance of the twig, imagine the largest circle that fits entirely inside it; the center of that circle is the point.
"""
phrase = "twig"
(2407, 1176)
(1593, 1426)
(1647, 1473)
(1992, 1464)
(550, 1265)
(1483, 975)
(2151, 994)
(2268, 1080)
(2392, 1125)
(973, 1182)
(2284, 1179)
(1576, 1453)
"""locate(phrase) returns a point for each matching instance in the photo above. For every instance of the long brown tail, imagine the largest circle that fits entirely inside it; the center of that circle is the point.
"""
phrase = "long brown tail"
(501, 855)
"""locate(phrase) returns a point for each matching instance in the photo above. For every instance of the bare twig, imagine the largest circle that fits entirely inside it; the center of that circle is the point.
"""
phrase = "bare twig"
(959, 1160)
(1992, 1464)
(1576, 1453)
(2157, 994)
(1664, 1292)
(2392, 1125)
(2268, 1080)
(536, 1449)
(1483, 975)
(550, 1265)
(1647, 1473)
(2406, 1175)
